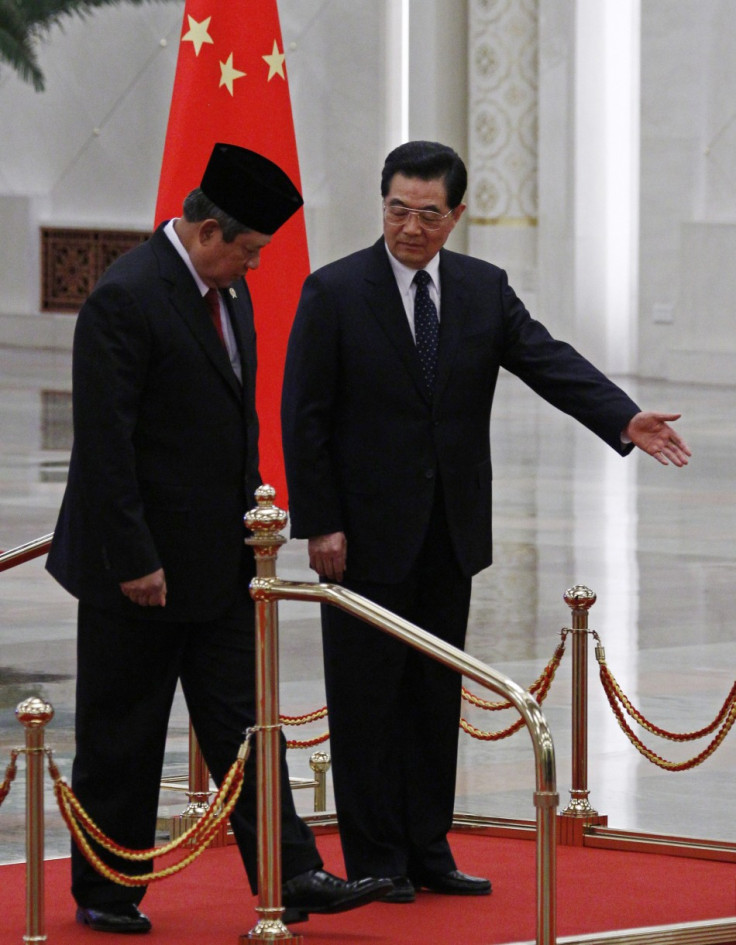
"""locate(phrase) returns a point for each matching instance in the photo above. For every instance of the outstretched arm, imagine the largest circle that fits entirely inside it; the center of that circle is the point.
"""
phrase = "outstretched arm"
(652, 433)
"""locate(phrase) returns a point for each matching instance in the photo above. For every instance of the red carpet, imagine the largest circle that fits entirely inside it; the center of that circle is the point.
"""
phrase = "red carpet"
(598, 890)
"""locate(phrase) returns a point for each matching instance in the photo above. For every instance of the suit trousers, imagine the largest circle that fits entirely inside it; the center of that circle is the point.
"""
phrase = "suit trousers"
(394, 718)
(127, 675)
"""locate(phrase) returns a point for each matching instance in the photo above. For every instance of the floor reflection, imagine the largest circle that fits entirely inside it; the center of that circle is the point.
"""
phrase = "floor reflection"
(654, 544)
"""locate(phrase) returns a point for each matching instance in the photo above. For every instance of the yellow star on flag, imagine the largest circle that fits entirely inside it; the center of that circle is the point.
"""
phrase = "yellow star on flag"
(275, 62)
(228, 74)
(198, 34)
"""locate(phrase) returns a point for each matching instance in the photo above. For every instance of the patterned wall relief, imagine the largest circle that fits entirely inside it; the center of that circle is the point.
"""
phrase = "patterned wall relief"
(503, 83)
(73, 259)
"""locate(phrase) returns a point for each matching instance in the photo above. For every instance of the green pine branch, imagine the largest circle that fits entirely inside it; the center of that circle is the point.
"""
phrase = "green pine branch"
(24, 22)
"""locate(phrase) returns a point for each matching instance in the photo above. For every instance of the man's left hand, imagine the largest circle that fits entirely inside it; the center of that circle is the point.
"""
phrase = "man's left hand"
(652, 433)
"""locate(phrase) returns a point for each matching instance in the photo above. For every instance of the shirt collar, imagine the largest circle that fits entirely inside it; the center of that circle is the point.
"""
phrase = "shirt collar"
(405, 275)
(181, 250)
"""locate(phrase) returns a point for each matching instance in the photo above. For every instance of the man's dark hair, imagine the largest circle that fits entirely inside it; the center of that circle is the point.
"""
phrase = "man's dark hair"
(197, 207)
(428, 160)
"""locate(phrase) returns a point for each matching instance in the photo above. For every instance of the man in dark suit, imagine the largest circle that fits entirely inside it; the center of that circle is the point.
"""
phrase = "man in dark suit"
(386, 411)
(150, 536)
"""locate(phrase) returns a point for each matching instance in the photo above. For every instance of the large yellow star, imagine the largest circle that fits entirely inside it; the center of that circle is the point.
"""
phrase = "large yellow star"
(197, 34)
(228, 74)
(275, 62)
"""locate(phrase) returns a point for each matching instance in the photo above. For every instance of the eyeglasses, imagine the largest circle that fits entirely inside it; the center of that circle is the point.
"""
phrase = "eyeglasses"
(396, 215)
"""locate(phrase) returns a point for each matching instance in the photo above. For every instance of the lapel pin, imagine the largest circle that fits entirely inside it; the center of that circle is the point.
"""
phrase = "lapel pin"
(233, 294)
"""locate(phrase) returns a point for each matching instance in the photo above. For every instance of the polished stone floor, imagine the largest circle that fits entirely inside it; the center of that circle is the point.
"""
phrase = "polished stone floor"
(655, 544)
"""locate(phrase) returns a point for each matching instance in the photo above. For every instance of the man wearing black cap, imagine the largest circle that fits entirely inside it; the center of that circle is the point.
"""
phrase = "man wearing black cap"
(150, 533)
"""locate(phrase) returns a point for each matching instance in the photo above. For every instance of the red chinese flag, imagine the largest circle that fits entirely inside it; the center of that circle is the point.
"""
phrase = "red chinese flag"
(231, 86)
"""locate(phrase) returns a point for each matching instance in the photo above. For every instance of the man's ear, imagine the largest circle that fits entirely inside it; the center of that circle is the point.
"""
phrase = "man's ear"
(208, 230)
(458, 212)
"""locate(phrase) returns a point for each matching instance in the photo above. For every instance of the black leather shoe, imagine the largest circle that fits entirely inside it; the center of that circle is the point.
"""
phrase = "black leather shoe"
(120, 917)
(403, 890)
(292, 916)
(319, 891)
(454, 883)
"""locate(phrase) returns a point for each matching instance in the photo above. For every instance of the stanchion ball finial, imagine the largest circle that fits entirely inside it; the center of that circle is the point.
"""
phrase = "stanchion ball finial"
(320, 761)
(33, 712)
(266, 519)
(580, 597)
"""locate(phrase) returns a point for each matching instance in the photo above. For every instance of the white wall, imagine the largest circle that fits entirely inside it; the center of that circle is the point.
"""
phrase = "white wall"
(688, 191)
(87, 151)
(91, 144)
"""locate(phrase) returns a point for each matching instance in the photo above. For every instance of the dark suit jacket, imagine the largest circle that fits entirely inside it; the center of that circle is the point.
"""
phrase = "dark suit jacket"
(165, 455)
(364, 442)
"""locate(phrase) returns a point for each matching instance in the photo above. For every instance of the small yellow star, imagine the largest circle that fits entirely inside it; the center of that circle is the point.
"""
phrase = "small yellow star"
(275, 62)
(198, 34)
(228, 74)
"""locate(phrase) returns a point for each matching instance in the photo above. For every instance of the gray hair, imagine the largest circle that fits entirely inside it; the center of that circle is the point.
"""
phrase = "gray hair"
(197, 207)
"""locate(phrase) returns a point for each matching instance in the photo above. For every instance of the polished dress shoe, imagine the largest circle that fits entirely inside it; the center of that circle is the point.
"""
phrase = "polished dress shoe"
(319, 891)
(403, 890)
(120, 917)
(454, 883)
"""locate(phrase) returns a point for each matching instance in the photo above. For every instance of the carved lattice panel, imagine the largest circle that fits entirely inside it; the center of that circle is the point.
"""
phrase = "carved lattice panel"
(73, 259)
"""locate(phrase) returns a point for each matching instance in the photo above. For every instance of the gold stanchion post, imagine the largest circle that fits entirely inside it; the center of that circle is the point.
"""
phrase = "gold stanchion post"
(579, 811)
(320, 764)
(198, 794)
(34, 715)
(199, 779)
(266, 522)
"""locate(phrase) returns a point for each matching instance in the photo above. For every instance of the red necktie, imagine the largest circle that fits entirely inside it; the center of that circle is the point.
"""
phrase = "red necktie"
(212, 298)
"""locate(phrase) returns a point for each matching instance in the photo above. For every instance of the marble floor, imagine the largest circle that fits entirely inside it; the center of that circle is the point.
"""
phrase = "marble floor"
(655, 544)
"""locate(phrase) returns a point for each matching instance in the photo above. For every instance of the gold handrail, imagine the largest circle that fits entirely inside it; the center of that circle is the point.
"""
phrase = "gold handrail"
(267, 589)
(32, 549)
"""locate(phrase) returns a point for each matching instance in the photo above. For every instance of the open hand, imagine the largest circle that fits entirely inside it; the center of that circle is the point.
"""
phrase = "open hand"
(652, 433)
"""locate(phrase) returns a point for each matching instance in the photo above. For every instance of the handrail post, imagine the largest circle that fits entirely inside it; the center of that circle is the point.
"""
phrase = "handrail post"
(546, 866)
(320, 765)
(198, 779)
(34, 715)
(545, 798)
(580, 599)
(266, 521)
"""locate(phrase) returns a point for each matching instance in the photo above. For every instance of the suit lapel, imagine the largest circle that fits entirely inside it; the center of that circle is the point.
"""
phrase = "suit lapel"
(240, 309)
(453, 313)
(185, 298)
(383, 297)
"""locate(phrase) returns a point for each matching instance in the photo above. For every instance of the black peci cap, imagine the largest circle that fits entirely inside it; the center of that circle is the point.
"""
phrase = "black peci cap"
(250, 188)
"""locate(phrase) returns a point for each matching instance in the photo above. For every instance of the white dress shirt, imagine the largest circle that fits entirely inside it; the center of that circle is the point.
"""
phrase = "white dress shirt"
(405, 281)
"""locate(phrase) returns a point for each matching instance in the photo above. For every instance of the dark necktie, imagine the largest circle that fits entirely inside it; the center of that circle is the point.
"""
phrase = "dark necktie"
(212, 298)
(426, 328)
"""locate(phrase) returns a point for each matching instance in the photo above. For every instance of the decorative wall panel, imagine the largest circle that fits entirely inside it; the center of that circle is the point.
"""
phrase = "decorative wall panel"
(503, 82)
(72, 260)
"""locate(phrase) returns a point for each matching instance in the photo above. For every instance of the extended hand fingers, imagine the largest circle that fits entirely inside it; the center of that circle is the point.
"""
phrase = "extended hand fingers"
(673, 450)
